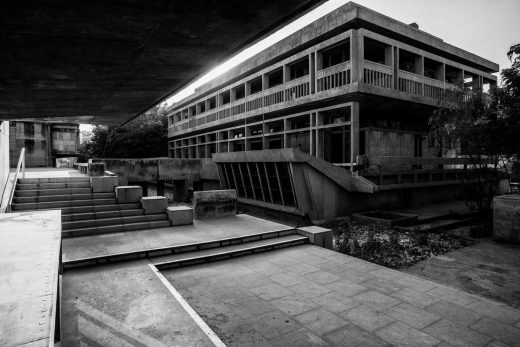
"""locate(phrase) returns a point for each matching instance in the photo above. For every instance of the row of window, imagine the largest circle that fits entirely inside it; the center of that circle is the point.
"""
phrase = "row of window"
(330, 56)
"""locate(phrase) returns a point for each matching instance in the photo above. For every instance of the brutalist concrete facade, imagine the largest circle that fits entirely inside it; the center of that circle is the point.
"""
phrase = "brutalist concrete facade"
(352, 83)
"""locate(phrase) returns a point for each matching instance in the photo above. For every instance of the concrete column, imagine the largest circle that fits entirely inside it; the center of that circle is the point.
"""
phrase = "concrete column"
(312, 71)
(396, 68)
(354, 134)
(356, 51)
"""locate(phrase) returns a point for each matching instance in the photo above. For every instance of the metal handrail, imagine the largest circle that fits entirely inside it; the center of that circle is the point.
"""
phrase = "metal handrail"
(21, 164)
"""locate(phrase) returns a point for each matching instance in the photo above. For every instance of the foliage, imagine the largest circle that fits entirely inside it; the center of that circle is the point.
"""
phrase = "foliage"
(390, 247)
(143, 137)
(483, 127)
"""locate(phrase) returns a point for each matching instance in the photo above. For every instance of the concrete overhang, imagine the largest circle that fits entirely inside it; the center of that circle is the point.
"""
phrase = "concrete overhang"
(105, 62)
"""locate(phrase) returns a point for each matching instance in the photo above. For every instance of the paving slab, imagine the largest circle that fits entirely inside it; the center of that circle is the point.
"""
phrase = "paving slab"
(132, 241)
(309, 304)
(124, 304)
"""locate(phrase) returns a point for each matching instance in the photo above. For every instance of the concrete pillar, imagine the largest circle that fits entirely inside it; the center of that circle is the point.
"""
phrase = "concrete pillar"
(354, 134)
(312, 71)
(396, 68)
(356, 51)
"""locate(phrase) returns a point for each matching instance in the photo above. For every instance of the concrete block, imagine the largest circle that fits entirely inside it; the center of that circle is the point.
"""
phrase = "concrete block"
(180, 215)
(154, 204)
(96, 169)
(128, 194)
(103, 184)
(506, 218)
(214, 203)
(318, 236)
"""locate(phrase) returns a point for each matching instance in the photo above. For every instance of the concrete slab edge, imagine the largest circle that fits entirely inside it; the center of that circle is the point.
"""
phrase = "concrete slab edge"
(196, 318)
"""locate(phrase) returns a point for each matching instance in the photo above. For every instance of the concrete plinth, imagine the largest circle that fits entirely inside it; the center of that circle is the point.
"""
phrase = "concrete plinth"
(96, 169)
(154, 204)
(103, 184)
(214, 203)
(180, 215)
(128, 194)
(506, 218)
(317, 236)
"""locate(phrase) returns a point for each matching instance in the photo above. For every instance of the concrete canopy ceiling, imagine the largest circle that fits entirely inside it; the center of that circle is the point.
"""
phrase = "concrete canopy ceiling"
(107, 61)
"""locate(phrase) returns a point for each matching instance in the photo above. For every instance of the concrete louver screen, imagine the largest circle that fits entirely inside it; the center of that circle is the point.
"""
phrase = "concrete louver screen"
(264, 181)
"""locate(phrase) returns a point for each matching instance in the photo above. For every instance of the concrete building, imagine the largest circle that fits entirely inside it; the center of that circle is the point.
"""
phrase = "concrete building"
(355, 89)
(43, 142)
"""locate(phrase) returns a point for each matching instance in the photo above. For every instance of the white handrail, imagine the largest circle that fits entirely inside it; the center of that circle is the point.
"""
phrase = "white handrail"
(21, 164)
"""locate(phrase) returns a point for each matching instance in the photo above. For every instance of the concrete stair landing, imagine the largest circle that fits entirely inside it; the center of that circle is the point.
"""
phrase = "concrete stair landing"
(83, 212)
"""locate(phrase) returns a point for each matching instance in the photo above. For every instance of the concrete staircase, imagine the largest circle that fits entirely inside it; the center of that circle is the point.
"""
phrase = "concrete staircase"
(83, 212)
(201, 252)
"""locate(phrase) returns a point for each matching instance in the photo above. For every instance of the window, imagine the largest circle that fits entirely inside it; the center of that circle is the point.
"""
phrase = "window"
(240, 92)
(202, 107)
(28, 129)
(212, 103)
(432, 69)
(375, 51)
(409, 61)
(275, 77)
(336, 54)
(256, 85)
(299, 69)
(226, 97)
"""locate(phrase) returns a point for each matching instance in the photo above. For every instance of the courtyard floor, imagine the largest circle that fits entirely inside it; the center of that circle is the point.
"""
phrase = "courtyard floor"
(307, 295)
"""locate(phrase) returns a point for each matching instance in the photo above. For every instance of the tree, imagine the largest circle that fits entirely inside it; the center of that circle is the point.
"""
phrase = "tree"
(485, 128)
(143, 137)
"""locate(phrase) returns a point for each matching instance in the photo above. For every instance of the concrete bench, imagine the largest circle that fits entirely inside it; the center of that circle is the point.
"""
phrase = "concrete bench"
(128, 194)
(154, 204)
(318, 236)
(214, 203)
(180, 215)
(103, 184)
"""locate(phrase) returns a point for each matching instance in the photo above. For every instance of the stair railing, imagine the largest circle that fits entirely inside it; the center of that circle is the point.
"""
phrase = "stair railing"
(21, 165)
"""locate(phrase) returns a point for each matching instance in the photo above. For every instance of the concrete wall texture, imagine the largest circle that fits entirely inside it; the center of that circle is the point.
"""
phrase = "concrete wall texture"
(4, 154)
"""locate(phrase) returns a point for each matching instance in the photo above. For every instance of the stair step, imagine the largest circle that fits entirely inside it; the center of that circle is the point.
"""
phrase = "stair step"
(99, 208)
(39, 186)
(60, 204)
(179, 249)
(63, 198)
(101, 215)
(54, 180)
(89, 223)
(216, 254)
(439, 225)
(46, 192)
(115, 228)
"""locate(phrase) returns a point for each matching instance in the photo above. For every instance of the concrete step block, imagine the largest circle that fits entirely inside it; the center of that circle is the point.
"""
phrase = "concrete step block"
(40, 186)
(100, 215)
(54, 180)
(103, 184)
(100, 208)
(66, 197)
(115, 228)
(46, 192)
(112, 221)
(154, 204)
(60, 204)
(180, 215)
(128, 194)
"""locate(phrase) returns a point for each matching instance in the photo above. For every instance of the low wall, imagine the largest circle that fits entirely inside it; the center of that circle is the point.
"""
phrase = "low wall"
(214, 203)
(506, 218)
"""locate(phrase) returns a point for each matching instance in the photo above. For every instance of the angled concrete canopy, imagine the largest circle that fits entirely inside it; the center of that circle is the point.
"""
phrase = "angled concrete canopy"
(105, 62)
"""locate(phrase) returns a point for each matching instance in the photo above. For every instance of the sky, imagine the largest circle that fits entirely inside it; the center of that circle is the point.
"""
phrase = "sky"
(483, 27)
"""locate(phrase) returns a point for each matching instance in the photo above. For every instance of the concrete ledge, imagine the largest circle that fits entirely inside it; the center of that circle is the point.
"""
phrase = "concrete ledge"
(180, 215)
(214, 203)
(506, 218)
(96, 169)
(128, 194)
(318, 236)
(103, 184)
(154, 204)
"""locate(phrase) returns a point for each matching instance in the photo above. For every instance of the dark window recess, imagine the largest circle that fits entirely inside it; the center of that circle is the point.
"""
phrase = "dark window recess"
(255, 180)
(336, 116)
(273, 183)
(238, 179)
(299, 69)
(362, 147)
(240, 92)
(432, 69)
(275, 77)
(263, 180)
(256, 85)
(336, 54)
(407, 61)
(256, 145)
(28, 129)
(247, 180)
(29, 146)
(374, 50)
(453, 75)
(226, 97)
(286, 184)
(300, 122)
(202, 107)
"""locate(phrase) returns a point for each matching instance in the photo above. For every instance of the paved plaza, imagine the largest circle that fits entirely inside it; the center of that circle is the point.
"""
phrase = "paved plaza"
(307, 295)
